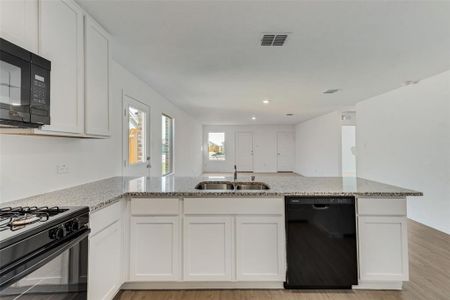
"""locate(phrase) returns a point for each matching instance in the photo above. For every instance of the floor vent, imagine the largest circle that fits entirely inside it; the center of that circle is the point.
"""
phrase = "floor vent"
(273, 39)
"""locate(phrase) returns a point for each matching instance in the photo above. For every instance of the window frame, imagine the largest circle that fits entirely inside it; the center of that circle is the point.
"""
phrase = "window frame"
(172, 145)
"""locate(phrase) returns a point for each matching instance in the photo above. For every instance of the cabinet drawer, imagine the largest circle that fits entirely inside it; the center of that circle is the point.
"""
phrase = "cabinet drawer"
(154, 206)
(230, 206)
(101, 219)
(382, 206)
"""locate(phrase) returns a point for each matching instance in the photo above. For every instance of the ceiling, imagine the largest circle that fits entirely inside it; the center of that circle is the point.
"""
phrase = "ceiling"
(205, 56)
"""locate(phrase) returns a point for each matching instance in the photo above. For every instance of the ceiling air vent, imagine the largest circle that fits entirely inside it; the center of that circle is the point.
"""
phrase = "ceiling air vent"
(273, 39)
(331, 91)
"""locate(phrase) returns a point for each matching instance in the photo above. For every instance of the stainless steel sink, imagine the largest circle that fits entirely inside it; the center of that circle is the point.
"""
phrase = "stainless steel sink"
(252, 185)
(215, 185)
(228, 185)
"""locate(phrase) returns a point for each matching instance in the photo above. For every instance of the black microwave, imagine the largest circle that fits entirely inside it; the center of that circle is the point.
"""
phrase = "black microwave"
(24, 87)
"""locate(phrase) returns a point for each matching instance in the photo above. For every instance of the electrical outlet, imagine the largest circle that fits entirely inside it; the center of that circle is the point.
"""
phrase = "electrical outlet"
(62, 169)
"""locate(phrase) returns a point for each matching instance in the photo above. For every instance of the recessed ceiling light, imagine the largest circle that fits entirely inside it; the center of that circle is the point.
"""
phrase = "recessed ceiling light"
(266, 101)
(331, 91)
(253, 118)
(289, 115)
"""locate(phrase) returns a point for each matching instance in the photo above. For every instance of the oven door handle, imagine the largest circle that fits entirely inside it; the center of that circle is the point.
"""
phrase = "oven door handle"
(37, 259)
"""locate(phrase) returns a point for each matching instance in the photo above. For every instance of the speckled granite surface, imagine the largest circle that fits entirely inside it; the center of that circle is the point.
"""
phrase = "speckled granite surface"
(102, 193)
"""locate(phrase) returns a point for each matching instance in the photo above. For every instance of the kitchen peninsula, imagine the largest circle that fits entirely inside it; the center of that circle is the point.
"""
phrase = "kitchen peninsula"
(168, 234)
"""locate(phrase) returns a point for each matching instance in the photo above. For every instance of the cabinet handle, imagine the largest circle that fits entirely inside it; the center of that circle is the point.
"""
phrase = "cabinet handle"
(320, 206)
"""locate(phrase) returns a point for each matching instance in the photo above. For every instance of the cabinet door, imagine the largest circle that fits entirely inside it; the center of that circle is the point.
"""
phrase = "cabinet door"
(260, 248)
(61, 41)
(208, 248)
(19, 22)
(155, 248)
(104, 267)
(383, 248)
(97, 65)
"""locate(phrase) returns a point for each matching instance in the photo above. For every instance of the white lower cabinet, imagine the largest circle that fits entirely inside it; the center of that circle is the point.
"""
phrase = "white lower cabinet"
(155, 248)
(208, 249)
(104, 263)
(200, 240)
(259, 248)
(383, 248)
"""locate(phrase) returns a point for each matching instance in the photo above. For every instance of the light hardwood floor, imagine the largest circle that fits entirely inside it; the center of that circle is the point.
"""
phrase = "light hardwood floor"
(429, 254)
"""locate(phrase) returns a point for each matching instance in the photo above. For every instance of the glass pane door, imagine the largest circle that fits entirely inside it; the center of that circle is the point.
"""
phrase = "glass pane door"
(136, 138)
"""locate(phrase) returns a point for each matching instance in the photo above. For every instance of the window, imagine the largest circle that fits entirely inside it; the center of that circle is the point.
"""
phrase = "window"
(216, 146)
(167, 145)
(136, 136)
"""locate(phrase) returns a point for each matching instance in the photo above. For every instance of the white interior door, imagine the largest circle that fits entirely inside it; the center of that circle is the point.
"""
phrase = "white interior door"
(244, 151)
(136, 137)
(285, 151)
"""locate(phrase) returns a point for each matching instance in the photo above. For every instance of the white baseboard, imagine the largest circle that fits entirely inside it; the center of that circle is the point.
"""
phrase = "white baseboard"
(184, 285)
(190, 285)
(379, 285)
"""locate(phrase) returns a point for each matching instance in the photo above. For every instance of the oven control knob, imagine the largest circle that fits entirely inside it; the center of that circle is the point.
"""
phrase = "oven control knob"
(72, 226)
(58, 233)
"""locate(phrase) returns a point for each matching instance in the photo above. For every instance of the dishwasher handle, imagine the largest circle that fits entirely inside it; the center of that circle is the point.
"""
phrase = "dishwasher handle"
(320, 206)
(319, 201)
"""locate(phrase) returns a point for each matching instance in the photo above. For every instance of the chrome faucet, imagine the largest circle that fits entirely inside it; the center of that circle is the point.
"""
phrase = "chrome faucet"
(235, 173)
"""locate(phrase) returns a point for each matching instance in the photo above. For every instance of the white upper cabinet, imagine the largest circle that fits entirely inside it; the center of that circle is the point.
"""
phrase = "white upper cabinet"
(97, 66)
(80, 52)
(18, 22)
(61, 41)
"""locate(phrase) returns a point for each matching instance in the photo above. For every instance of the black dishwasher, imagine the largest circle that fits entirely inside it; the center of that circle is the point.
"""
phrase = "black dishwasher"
(321, 243)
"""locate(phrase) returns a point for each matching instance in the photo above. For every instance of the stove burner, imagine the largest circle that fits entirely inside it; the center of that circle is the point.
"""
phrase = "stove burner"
(18, 217)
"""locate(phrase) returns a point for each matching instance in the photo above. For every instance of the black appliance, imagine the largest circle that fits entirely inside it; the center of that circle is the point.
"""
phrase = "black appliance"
(321, 243)
(24, 87)
(44, 253)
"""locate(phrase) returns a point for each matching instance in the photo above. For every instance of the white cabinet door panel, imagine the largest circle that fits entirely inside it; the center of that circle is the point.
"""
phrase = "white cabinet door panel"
(383, 248)
(208, 248)
(19, 22)
(155, 248)
(104, 263)
(260, 248)
(61, 41)
(97, 66)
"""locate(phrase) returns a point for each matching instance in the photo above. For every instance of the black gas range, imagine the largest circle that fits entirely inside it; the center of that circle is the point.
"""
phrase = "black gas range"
(44, 252)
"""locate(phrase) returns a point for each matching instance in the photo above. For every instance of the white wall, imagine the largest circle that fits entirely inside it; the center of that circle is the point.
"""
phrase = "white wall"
(28, 163)
(188, 131)
(403, 138)
(318, 146)
(264, 146)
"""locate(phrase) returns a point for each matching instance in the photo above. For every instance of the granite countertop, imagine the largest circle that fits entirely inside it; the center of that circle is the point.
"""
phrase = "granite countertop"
(104, 192)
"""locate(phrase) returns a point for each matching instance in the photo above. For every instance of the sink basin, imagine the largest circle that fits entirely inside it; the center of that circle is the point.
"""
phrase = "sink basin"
(215, 185)
(228, 185)
(252, 185)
